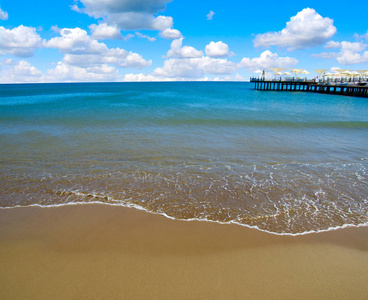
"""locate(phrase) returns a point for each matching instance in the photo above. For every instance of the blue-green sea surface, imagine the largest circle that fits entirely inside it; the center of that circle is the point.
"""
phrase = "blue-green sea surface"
(283, 162)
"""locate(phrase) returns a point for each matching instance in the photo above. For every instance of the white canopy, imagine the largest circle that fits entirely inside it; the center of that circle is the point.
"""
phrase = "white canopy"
(320, 71)
(296, 71)
(277, 70)
(363, 72)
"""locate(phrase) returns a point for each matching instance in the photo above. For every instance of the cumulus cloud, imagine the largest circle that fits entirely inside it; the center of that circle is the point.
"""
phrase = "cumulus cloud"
(364, 36)
(267, 59)
(151, 78)
(137, 21)
(76, 41)
(134, 60)
(210, 15)
(55, 29)
(128, 14)
(218, 49)
(103, 31)
(3, 15)
(171, 34)
(20, 41)
(351, 58)
(332, 45)
(144, 78)
(81, 50)
(143, 36)
(117, 57)
(349, 54)
(353, 47)
(66, 73)
(305, 30)
(195, 67)
(98, 8)
(17, 72)
(178, 51)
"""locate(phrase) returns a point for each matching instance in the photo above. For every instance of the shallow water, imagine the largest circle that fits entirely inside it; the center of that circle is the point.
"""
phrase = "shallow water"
(284, 162)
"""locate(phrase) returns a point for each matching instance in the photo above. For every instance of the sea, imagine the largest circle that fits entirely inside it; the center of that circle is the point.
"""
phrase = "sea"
(288, 163)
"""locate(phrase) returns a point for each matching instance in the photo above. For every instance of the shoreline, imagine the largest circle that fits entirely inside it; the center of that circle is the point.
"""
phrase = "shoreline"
(98, 251)
(139, 208)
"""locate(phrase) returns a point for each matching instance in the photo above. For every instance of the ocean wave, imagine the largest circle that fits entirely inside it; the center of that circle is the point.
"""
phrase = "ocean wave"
(134, 206)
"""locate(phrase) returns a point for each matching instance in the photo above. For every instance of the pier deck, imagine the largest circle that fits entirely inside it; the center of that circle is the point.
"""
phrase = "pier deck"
(349, 89)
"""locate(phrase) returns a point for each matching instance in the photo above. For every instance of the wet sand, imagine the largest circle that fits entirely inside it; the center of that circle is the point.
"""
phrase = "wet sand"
(104, 252)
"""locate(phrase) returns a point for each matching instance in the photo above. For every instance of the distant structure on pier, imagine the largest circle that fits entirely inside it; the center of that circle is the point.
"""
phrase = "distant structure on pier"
(342, 82)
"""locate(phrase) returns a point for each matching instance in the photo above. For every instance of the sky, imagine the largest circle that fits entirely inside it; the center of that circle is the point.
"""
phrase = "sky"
(177, 40)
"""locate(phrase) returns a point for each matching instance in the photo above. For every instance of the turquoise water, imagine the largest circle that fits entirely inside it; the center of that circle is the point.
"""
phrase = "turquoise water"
(283, 162)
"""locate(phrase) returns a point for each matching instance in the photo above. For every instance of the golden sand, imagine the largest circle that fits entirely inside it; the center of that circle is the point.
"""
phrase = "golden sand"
(104, 252)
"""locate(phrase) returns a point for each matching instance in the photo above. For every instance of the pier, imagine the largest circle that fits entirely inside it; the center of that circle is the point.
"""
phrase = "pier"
(357, 89)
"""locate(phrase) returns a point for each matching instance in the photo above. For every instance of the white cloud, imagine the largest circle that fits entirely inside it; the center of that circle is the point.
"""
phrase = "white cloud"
(134, 60)
(364, 36)
(76, 41)
(351, 58)
(103, 31)
(142, 36)
(349, 54)
(136, 21)
(170, 34)
(144, 78)
(210, 15)
(3, 15)
(354, 47)
(85, 52)
(76, 8)
(55, 29)
(238, 77)
(151, 78)
(195, 67)
(305, 30)
(18, 72)
(117, 57)
(188, 63)
(66, 73)
(178, 51)
(218, 49)
(332, 45)
(98, 8)
(8, 62)
(20, 41)
(267, 59)
(128, 14)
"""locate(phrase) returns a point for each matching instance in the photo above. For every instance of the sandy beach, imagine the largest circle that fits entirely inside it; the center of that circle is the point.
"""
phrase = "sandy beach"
(105, 252)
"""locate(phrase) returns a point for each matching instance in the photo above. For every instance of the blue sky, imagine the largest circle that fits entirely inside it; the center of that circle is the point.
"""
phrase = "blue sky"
(157, 40)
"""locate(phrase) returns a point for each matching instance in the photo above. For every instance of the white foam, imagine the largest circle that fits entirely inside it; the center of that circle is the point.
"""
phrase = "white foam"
(138, 207)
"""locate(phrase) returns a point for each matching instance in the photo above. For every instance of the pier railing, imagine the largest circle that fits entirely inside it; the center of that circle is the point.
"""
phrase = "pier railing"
(350, 88)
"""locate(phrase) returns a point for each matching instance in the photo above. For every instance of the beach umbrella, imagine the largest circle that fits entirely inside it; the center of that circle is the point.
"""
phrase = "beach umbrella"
(277, 70)
(296, 71)
(285, 73)
(337, 75)
(345, 72)
(320, 71)
(329, 74)
(354, 73)
(363, 72)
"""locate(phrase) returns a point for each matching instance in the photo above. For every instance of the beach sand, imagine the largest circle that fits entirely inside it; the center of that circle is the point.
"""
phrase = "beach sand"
(105, 252)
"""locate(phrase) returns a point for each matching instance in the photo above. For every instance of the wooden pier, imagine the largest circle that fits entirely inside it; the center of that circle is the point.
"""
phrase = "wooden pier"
(349, 89)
